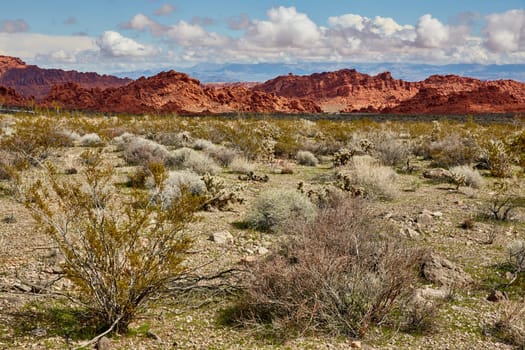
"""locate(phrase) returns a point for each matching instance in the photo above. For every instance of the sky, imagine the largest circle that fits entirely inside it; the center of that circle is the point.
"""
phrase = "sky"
(124, 35)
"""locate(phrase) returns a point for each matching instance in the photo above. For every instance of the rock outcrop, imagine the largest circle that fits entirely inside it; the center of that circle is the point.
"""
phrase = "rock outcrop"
(33, 81)
(174, 92)
(350, 91)
(9, 98)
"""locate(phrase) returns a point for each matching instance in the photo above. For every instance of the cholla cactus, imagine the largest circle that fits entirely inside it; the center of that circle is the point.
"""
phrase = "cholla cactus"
(436, 130)
(366, 145)
(498, 159)
(343, 156)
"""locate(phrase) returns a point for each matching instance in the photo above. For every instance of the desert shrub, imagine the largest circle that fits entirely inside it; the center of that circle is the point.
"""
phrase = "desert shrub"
(201, 144)
(120, 249)
(176, 183)
(306, 158)
(377, 181)
(471, 176)
(222, 155)
(187, 158)
(140, 151)
(241, 165)
(498, 159)
(178, 140)
(504, 200)
(343, 156)
(452, 150)
(90, 140)
(337, 274)
(391, 150)
(33, 139)
(273, 208)
(510, 327)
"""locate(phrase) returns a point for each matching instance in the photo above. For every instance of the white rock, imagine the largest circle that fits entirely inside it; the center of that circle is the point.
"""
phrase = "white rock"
(221, 237)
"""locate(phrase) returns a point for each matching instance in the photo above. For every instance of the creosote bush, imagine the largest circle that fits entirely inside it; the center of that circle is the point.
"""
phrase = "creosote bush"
(120, 248)
(337, 274)
(273, 208)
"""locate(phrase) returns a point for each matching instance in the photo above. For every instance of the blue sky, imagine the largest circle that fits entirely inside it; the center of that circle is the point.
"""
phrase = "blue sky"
(116, 35)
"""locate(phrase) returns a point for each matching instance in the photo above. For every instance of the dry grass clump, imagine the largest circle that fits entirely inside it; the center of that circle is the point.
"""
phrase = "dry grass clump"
(187, 158)
(306, 158)
(510, 327)
(377, 181)
(273, 208)
(471, 176)
(241, 165)
(335, 274)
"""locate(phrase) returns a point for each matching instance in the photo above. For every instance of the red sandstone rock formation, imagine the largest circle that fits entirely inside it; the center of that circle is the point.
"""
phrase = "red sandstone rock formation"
(350, 91)
(174, 92)
(30, 80)
(9, 98)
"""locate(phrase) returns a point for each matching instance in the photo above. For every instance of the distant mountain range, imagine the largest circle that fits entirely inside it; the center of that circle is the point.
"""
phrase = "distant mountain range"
(291, 91)
(260, 72)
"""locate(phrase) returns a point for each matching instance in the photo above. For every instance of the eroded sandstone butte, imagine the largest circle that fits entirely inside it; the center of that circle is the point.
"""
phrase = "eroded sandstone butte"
(10, 98)
(174, 92)
(350, 91)
(33, 81)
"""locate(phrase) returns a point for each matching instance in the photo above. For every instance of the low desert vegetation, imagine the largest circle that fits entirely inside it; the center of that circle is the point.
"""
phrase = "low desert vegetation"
(309, 232)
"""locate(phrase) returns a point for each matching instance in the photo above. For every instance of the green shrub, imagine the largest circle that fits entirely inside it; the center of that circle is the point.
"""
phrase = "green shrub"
(120, 249)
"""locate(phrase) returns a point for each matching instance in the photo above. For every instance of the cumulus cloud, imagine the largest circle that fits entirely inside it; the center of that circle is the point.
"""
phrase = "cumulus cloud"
(113, 44)
(142, 22)
(188, 34)
(14, 26)
(431, 33)
(384, 26)
(285, 27)
(505, 32)
(164, 10)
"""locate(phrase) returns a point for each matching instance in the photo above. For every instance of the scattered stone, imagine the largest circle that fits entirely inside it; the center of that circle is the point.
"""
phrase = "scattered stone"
(356, 344)
(153, 336)
(221, 237)
(248, 260)
(497, 296)
(103, 344)
(262, 251)
(424, 219)
(431, 293)
(410, 233)
(437, 173)
(437, 214)
(39, 332)
(23, 288)
(443, 272)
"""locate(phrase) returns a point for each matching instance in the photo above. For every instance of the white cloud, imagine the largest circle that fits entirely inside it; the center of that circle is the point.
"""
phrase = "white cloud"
(29, 45)
(505, 32)
(431, 33)
(14, 26)
(113, 44)
(164, 10)
(188, 34)
(142, 22)
(285, 28)
(384, 26)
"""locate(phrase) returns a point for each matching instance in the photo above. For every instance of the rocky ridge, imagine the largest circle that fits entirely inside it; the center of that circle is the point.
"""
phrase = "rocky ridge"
(33, 81)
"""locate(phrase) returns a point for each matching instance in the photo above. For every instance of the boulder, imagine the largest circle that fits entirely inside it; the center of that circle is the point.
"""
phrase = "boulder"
(443, 272)
(221, 237)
